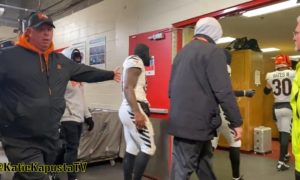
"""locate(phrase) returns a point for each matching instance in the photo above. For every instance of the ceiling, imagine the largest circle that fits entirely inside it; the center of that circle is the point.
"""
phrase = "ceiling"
(18, 10)
(271, 30)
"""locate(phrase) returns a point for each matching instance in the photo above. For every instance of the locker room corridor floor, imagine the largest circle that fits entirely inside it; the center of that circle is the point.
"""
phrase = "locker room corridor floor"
(252, 167)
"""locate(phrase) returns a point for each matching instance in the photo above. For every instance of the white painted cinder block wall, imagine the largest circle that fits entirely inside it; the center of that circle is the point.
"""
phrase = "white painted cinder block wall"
(117, 20)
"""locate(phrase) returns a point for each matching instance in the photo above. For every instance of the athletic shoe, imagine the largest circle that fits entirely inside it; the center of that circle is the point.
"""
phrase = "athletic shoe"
(54, 176)
(239, 178)
(287, 158)
(281, 166)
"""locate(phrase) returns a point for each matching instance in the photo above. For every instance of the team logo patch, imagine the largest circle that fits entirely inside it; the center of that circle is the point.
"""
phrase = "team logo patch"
(42, 16)
(58, 66)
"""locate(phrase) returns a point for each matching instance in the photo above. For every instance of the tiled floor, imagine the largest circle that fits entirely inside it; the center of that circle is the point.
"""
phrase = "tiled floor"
(275, 151)
(253, 167)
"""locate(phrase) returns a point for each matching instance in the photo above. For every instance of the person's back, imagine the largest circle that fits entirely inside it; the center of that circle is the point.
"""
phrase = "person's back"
(199, 83)
(281, 84)
(194, 102)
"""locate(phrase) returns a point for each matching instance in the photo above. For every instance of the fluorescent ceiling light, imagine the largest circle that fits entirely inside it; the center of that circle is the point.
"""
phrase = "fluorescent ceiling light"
(2, 10)
(225, 40)
(269, 49)
(229, 10)
(295, 57)
(272, 8)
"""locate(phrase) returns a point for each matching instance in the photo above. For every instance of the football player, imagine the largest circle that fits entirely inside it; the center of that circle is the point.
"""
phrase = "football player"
(280, 83)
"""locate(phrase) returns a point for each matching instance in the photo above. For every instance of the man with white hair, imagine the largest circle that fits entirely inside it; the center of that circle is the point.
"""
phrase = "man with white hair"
(199, 84)
(296, 106)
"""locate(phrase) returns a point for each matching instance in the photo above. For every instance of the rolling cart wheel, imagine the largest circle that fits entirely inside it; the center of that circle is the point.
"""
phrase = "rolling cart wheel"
(112, 163)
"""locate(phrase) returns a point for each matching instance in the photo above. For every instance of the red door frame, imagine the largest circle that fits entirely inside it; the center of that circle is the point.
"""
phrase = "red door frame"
(220, 13)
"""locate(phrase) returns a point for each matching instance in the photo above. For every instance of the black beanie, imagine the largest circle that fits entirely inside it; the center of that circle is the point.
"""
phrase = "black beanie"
(142, 51)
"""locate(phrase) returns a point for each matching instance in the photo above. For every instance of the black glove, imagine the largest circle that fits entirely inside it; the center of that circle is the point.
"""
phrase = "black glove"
(249, 92)
(89, 121)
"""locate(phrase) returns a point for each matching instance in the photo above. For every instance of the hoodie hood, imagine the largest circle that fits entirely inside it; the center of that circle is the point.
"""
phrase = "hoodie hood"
(68, 52)
(23, 42)
(209, 26)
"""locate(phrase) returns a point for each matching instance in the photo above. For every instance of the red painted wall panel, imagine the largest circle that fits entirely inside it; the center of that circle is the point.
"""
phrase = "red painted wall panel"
(157, 85)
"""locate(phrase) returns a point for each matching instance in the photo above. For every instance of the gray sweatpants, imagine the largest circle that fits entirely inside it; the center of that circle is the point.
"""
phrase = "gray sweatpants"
(189, 156)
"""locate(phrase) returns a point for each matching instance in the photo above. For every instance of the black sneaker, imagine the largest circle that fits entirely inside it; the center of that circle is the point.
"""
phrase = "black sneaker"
(54, 177)
(281, 166)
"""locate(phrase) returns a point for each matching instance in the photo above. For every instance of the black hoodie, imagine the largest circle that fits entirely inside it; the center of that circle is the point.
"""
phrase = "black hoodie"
(199, 84)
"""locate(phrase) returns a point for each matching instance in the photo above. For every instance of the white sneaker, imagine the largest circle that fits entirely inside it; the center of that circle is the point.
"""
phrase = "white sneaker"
(239, 178)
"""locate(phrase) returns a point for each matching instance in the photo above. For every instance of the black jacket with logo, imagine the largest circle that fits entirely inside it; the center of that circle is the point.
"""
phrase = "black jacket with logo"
(199, 84)
(32, 93)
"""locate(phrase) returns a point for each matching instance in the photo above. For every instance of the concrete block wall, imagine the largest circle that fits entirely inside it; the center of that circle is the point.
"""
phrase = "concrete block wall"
(117, 20)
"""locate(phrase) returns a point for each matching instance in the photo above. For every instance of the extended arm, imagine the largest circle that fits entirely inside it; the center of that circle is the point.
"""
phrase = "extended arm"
(246, 92)
(84, 73)
(267, 90)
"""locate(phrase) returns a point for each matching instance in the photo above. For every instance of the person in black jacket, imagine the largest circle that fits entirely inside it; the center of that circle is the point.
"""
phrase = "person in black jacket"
(199, 84)
(33, 80)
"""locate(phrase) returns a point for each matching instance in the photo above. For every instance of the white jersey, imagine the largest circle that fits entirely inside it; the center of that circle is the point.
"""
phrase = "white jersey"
(281, 83)
(140, 89)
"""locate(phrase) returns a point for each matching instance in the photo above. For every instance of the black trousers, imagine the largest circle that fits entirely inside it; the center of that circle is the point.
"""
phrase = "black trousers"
(297, 175)
(30, 150)
(71, 132)
(189, 156)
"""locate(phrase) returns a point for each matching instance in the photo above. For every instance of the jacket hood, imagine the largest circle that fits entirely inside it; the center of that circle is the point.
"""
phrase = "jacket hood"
(68, 52)
(23, 42)
(209, 26)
